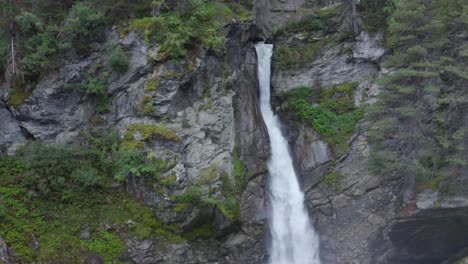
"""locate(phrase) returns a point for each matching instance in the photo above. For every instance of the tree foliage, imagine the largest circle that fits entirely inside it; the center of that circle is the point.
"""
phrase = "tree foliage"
(201, 22)
(420, 120)
(64, 172)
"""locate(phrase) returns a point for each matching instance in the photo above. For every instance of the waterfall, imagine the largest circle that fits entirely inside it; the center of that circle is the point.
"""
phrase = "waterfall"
(293, 238)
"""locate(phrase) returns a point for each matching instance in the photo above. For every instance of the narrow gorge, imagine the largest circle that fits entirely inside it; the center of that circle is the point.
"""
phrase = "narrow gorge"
(221, 132)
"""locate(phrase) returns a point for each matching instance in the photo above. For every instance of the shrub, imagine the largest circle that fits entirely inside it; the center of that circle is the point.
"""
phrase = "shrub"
(83, 23)
(36, 181)
(93, 85)
(136, 163)
(145, 106)
(118, 60)
(201, 23)
(58, 170)
(151, 85)
(193, 195)
(40, 48)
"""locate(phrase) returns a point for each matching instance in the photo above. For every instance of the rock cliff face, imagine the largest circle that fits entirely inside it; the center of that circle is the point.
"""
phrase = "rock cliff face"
(361, 218)
(213, 106)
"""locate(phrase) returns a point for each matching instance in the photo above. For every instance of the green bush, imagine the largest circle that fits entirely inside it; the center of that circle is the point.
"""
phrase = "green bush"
(83, 23)
(93, 85)
(118, 60)
(145, 106)
(201, 22)
(58, 170)
(65, 172)
(193, 195)
(52, 193)
(39, 45)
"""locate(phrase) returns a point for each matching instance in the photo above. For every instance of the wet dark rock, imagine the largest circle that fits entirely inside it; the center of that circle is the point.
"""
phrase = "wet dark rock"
(429, 237)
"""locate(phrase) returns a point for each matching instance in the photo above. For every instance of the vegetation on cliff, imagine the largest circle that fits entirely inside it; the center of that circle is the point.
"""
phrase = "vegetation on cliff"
(420, 126)
(67, 201)
(36, 37)
(329, 110)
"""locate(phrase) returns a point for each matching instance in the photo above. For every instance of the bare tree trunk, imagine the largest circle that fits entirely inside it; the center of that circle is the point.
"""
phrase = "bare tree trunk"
(12, 50)
(354, 17)
(11, 70)
(34, 4)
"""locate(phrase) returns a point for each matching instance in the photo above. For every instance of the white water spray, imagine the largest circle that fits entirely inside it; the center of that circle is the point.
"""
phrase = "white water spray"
(293, 238)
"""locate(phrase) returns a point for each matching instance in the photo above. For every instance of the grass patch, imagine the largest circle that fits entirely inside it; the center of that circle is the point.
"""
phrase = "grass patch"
(150, 131)
(145, 106)
(332, 178)
(57, 226)
(109, 246)
(18, 96)
(151, 85)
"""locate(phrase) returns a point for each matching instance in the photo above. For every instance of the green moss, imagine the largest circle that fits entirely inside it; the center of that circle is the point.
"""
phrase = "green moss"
(332, 178)
(339, 98)
(59, 234)
(240, 173)
(333, 115)
(151, 131)
(142, 232)
(169, 236)
(107, 245)
(192, 195)
(230, 207)
(50, 194)
(97, 120)
(241, 13)
(169, 182)
(18, 96)
(207, 176)
(151, 85)
(227, 200)
(179, 207)
(131, 145)
(204, 231)
(146, 105)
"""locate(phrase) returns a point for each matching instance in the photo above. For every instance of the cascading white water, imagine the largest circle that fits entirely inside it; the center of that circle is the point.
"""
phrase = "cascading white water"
(294, 240)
